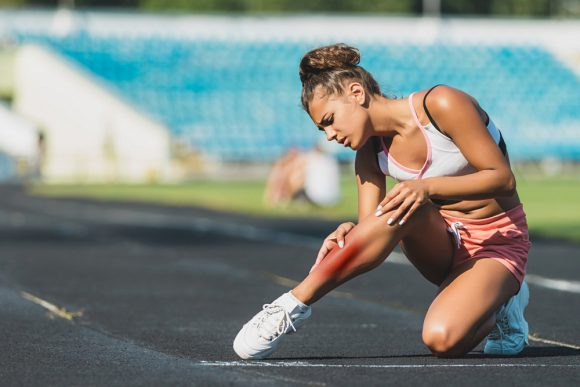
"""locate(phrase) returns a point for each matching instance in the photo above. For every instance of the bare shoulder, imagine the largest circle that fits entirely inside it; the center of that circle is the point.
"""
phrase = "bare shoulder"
(443, 97)
(452, 108)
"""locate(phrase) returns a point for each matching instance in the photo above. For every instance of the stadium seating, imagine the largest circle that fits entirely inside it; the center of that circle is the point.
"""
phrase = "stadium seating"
(240, 100)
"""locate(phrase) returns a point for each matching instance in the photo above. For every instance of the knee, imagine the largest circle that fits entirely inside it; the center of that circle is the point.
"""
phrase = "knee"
(441, 340)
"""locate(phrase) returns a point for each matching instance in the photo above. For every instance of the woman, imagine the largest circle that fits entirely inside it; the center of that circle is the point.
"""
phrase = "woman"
(455, 211)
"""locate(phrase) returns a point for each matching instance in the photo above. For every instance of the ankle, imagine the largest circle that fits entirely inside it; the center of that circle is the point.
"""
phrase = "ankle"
(299, 297)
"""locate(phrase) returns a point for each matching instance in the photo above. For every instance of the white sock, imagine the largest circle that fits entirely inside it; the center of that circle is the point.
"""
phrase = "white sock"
(290, 302)
(298, 302)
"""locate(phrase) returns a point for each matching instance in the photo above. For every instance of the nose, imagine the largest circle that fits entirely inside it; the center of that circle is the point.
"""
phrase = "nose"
(330, 133)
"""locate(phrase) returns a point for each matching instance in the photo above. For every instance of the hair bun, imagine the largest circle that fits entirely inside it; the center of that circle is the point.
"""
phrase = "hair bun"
(334, 57)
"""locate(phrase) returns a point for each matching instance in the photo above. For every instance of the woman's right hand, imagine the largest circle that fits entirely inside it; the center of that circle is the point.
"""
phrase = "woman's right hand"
(335, 238)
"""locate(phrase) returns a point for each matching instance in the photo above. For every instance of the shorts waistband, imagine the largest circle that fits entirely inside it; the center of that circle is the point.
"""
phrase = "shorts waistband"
(515, 214)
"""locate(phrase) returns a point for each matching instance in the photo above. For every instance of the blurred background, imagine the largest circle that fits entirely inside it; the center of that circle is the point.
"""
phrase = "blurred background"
(193, 102)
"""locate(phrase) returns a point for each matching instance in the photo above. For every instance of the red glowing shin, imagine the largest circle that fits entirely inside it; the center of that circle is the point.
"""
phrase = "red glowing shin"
(340, 264)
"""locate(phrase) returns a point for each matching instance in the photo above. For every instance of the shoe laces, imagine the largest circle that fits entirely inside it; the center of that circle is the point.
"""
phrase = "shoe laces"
(502, 326)
(266, 329)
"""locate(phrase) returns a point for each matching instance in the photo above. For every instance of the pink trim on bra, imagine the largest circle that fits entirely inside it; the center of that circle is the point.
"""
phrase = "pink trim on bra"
(391, 158)
(419, 172)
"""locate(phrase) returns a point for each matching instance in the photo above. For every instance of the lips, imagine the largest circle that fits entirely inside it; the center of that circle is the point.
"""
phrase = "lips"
(346, 142)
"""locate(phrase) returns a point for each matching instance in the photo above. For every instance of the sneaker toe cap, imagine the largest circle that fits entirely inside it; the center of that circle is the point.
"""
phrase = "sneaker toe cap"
(256, 348)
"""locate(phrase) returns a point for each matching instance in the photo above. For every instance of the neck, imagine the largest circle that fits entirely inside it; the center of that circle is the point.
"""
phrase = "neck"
(388, 116)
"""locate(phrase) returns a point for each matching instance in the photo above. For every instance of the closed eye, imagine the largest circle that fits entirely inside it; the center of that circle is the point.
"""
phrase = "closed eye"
(326, 122)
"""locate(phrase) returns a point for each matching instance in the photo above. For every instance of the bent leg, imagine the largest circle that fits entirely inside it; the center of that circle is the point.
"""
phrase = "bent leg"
(463, 311)
(430, 249)
(367, 245)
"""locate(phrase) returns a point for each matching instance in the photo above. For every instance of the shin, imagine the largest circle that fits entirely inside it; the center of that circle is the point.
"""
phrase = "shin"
(366, 246)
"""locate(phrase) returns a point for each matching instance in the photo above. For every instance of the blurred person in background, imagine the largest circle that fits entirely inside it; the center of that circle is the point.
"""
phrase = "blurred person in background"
(455, 210)
(313, 175)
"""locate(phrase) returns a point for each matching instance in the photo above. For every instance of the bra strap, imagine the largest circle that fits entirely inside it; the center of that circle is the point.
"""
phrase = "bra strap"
(428, 160)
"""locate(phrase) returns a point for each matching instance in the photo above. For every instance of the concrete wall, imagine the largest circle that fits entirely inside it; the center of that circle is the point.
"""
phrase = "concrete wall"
(91, 135)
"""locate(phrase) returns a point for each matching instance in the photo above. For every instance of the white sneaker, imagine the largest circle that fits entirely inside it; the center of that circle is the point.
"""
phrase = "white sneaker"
(261, 336)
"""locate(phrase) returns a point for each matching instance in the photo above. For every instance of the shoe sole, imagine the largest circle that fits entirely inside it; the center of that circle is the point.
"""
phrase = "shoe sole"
(242, 354)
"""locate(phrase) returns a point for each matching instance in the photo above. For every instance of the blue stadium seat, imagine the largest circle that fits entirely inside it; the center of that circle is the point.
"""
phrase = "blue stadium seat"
(240, 101)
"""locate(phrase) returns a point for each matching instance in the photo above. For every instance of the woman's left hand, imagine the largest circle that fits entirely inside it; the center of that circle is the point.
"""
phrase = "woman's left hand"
(405, 198)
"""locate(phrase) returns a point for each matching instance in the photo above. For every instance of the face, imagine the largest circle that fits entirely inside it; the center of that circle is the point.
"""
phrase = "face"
(343, 118)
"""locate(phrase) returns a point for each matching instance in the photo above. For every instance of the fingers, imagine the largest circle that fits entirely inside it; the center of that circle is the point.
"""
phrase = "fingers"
(341, 231)
(331, 241)
(394, 192)
(327, 245)
(390, 205)
(404, 199)
(400, 211)
(410, 213)
(404, 212)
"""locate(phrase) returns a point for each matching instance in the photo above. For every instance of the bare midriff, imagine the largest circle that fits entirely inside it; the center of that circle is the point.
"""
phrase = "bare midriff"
(479, 209)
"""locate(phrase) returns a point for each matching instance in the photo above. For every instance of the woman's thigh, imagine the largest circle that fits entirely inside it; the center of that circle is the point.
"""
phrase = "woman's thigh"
(429, 247)
(467, 299)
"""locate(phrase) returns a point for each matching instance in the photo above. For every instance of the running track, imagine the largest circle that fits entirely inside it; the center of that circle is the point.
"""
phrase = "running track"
(95, 293)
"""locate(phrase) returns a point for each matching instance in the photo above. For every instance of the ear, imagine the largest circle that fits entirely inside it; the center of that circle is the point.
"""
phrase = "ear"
(356, 91)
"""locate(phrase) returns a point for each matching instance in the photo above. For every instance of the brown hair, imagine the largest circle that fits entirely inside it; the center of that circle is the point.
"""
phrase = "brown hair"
(330, 66)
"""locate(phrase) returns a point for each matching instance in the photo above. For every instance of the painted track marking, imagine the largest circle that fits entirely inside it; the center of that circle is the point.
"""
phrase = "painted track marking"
(300, 364)
(555, 284)
(554, 342)
(60, 312)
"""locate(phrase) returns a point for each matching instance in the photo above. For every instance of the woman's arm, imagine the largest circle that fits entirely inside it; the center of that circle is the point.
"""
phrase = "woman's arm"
(371, 189)
(457, 115)
(370, 181)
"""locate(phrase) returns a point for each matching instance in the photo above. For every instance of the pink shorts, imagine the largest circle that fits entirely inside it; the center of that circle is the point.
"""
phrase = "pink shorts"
(503, 237)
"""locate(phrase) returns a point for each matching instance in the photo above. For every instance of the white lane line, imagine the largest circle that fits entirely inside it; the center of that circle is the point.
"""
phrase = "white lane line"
(561, 285)
(554, 342)
(301, 364)
(555, 284)
(60, 312)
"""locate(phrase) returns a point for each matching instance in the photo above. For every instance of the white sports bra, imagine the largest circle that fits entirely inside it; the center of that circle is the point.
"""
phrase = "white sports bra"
(443, 157)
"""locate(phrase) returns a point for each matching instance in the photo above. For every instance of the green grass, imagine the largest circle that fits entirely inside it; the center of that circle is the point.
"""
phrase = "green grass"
(552, 204)
(242, 197)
